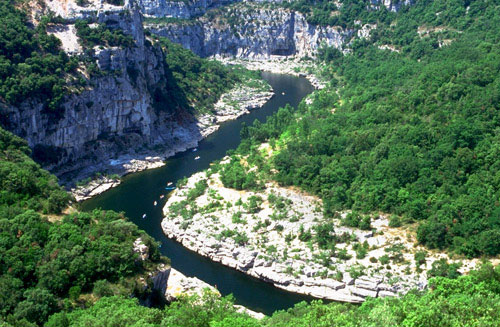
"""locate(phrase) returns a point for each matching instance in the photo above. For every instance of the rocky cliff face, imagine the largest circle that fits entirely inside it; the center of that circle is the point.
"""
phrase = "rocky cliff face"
(253, 32)
(250, 29)
(179, 9)
(120, 110)
(193, 8)
(124, 111)
(392, 5)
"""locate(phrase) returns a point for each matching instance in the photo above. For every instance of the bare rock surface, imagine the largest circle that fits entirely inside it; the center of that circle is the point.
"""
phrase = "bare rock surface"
(177, 284)
(180, 285)
(266, 242)
(141, 249)
(290, 65)
(233, 104)
(260, 33)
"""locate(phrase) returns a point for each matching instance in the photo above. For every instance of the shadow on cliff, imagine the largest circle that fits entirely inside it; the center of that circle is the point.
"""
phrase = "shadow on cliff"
(172, 99)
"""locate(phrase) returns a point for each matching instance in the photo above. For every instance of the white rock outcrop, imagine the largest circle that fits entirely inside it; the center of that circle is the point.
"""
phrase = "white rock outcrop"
(180, 285)
(259, 34)
(141, 249)
(265, 241)
(179, 9)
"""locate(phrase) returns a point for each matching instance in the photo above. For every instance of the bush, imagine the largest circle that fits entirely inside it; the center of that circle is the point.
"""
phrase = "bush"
(432, 234)
(365, 223)
(384, 259)
(198, 190)
(236, 219)
(352, 219)
(395, 221)
(420, 257)
(74, 292)
(254, 203)
(102, 288)
(304, 236)
(241, 238)
(441, 268)
(324, 236)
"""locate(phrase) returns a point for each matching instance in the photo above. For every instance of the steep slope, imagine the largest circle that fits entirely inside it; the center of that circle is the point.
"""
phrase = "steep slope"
(251, 31)
(114, 100)
(263, 29)
(179, 9)
(124, 101)
(47, 258)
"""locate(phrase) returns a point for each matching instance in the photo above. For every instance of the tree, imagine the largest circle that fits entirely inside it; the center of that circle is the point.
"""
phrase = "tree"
(37, 307)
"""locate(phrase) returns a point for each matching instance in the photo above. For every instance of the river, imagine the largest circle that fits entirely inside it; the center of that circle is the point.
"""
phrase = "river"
(136, 194)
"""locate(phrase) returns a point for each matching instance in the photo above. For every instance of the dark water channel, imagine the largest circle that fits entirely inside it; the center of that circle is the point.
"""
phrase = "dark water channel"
(136, 194)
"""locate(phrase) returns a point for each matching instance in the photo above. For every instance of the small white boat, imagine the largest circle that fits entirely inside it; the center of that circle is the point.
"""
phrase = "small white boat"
(155, 203)
(162, 196)
(282, 93)
(197, 158)
(143, 216)
(195, 149)
(169, 183)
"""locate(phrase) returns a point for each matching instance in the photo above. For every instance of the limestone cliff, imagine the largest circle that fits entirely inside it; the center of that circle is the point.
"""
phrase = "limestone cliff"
(193, 8)
(252, 31)
(392, 5)
(179, 9)
(125, 111)
(124, 107)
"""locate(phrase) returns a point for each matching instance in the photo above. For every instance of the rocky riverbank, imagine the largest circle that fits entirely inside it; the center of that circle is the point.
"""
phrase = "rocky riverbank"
(233, 104)
(289, 65)
(177, 285)
(173, 284)
(276, 235)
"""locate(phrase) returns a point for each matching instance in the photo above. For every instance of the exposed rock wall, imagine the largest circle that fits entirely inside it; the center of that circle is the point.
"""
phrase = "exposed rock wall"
(392, 5)
(193, 8)
(122, 109)
(250, 30)
(259, 34)
(180, 9)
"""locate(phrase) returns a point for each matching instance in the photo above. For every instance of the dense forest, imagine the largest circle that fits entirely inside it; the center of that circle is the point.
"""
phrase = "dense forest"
(411, 131)
(32, 65)
(468, 301)
(51, 262)
(325, 12)
(415, 131)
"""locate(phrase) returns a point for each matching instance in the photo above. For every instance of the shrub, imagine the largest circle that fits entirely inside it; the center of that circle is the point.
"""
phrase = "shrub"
(384, 259)
(365, 223)
(395, 221)
(352, 219)
(420, 257)
(441, 268)
(304, 235)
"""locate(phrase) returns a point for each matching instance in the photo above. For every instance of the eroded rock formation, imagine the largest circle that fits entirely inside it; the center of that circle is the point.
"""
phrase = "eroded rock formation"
(125, 107)
(259, 34)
